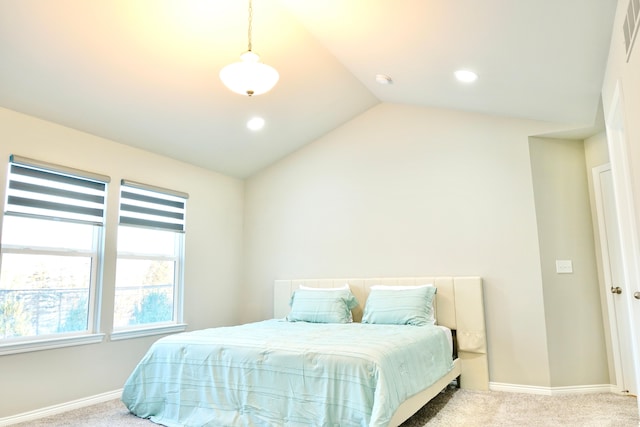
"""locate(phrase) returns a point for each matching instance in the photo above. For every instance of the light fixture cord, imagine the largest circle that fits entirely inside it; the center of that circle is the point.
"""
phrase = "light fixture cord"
(250, 23)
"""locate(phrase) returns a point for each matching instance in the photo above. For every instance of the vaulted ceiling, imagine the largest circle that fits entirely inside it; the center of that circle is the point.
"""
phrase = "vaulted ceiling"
(145, 72)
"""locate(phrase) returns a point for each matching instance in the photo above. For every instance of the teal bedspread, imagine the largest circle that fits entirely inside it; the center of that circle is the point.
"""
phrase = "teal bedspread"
(278, 373)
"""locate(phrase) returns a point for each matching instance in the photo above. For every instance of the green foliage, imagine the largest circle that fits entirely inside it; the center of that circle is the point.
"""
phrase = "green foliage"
(14, 321)
(154, 307)
(76, 319)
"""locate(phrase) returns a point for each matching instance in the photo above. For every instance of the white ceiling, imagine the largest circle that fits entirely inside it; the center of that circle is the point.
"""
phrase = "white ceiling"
(145, 72)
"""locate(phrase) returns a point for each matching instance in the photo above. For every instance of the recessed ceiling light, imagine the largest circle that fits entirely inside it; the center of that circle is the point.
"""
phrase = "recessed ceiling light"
(383, 79)
(466, 76)
(256, 123)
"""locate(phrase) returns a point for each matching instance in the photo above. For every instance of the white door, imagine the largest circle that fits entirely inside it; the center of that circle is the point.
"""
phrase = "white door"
(615, 286)
(625, 208)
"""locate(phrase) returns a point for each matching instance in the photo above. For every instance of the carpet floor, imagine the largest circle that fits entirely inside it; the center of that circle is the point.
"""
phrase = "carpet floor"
(452, 407)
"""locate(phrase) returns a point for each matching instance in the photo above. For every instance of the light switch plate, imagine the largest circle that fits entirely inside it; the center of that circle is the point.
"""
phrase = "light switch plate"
(564, 266)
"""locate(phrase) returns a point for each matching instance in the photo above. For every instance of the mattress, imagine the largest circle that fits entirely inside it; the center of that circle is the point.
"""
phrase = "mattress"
(287, 374)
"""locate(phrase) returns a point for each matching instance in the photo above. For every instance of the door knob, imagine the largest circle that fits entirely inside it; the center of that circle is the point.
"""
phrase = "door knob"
(636, 295)
(618, 290)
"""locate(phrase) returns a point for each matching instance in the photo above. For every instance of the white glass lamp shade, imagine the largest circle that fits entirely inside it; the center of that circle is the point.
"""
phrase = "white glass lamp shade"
(249, 76)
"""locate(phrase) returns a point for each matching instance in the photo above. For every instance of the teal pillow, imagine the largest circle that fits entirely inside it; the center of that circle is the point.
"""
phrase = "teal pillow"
(400, 307)
(327, 306)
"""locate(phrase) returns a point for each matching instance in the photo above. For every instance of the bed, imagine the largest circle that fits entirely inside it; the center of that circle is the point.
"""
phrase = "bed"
(294, 373)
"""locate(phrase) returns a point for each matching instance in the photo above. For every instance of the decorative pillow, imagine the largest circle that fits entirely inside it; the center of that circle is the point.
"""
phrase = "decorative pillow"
(327, 306)
(396, 305)
(432, 316)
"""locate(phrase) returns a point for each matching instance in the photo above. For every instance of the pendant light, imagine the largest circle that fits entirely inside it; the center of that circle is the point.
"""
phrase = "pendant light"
(249, 76)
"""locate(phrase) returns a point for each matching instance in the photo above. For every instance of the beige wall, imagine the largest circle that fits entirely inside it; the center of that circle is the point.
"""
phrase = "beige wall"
(213, 249)
(411, 191)
(596, 152)
(572, 305)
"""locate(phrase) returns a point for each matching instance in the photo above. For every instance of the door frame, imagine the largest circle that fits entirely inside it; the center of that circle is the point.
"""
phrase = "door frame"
(612, 313)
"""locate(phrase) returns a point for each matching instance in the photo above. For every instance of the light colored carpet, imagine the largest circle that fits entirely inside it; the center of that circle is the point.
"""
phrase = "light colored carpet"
(453, 407)
(463, 408)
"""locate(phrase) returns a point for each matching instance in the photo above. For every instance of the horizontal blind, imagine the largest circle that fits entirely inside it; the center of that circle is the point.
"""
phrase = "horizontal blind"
(150, 207)
(53, 194)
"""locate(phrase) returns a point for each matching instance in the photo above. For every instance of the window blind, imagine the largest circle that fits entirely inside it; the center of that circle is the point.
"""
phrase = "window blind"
(47, 191)
(147, 206)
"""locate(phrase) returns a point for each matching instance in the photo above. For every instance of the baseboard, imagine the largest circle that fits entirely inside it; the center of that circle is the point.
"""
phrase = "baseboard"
(59, 409)
(553, 391)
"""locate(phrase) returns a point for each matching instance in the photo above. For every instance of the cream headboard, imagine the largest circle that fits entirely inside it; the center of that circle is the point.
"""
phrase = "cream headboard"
(459, 306)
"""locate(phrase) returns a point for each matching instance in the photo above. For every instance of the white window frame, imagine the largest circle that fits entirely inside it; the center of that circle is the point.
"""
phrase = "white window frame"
(92, 334)
(177, 324)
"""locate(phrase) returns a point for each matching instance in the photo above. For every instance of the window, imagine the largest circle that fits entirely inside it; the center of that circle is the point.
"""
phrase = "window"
(51, 253)
(150, 259)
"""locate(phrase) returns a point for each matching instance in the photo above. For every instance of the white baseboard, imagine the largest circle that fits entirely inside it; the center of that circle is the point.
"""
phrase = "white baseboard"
(553, 391)
(59, 409)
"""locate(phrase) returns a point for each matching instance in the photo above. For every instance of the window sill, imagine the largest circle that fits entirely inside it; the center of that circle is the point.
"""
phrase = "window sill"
(49, 343)
(148, 331)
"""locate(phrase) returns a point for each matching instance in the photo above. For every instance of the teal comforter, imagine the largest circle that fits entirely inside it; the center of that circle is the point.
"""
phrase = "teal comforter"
(278, 373)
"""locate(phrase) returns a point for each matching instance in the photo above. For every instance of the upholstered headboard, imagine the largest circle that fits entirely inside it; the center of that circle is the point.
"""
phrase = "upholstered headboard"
(459, 306)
